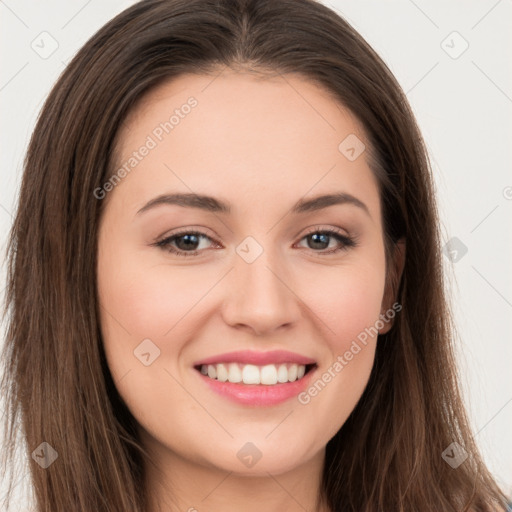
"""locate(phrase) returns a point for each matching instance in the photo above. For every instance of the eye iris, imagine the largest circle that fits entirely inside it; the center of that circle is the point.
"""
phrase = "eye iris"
(191, 240)
(315, 238)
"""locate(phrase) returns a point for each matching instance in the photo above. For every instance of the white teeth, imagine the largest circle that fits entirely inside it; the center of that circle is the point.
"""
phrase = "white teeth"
(292, 373)
(222, 373)
(282, 373)
(212, 372)
(269, 374)
(235, 374)
(251, 374)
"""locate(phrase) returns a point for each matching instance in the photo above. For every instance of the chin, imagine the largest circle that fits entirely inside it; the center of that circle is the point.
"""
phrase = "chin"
(249, 460)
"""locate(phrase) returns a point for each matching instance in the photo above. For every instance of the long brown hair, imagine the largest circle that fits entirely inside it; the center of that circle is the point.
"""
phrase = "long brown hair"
(388, 454)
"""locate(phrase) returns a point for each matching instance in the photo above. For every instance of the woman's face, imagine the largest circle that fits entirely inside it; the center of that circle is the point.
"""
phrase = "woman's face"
(261, 291)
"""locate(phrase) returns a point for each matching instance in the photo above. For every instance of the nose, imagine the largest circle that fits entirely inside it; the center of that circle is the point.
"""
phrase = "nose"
(260, 296)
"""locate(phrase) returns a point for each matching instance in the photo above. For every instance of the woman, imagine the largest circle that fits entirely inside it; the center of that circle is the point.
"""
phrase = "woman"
(258, 370)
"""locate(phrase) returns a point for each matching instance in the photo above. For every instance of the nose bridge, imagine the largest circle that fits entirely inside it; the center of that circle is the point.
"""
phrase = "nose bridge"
(259, 294)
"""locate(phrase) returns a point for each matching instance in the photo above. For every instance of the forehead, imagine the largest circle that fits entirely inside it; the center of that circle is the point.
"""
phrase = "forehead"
(245, 135)
(256, 105)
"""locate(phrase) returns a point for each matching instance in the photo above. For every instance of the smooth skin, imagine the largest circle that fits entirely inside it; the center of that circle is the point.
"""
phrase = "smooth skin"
(260, 145)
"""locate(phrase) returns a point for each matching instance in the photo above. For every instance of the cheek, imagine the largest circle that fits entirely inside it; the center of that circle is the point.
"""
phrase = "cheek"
(138, 308)
(139, 303)
(143, 296)
(149, 303)
(348, 300)
(358, 309)
(349, 305)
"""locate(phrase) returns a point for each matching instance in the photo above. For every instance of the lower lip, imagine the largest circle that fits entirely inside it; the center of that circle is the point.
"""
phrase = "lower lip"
(258, 394)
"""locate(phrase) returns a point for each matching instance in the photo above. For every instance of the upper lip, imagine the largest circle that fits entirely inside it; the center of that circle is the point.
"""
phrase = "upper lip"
(257, 358)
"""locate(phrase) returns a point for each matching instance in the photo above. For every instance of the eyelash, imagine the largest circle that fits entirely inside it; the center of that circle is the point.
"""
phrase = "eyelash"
(347, 242)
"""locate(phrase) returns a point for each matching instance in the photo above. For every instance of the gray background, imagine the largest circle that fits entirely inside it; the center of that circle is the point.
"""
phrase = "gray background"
(462, 98)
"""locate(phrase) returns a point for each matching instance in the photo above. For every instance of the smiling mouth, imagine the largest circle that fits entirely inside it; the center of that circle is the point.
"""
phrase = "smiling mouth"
(269, 374)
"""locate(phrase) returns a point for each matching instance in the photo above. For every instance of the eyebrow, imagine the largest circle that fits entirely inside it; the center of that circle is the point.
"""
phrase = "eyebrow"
(211, 204)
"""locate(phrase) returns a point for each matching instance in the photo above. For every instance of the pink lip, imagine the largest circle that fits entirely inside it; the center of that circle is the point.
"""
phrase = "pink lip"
(259, 394)
(257, 358)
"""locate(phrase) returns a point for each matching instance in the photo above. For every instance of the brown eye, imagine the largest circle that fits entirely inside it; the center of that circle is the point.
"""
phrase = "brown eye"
(319, 240)
(184, 243)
